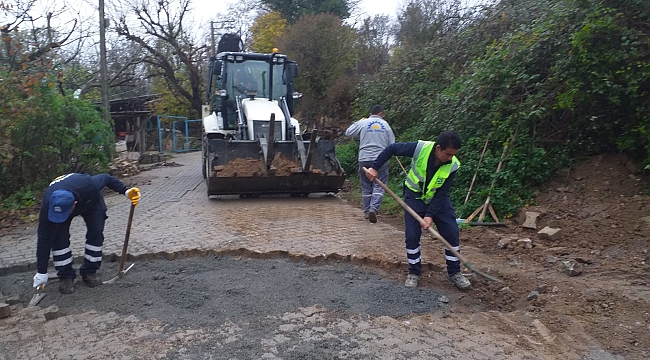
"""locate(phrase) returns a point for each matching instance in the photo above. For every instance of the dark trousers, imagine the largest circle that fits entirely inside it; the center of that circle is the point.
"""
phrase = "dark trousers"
(62, 254)
(372, 194)
(445, 221)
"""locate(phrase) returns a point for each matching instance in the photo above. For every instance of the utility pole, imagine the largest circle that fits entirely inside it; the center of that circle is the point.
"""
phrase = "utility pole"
(102, 63)
(212, 51)
(215, 32)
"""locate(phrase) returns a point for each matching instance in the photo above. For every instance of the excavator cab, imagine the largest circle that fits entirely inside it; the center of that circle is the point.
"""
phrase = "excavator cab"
(251, 143)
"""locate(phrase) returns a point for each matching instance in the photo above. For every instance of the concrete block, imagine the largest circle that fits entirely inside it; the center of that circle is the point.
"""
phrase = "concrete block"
(521, 217)
(550, 233)
(52, 313)
(13, 300)
(572, 268)
(5, 310)
(531, 220)
(504, 242)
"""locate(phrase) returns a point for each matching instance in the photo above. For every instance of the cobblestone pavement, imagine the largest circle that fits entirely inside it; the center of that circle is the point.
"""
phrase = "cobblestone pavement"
(175, 215)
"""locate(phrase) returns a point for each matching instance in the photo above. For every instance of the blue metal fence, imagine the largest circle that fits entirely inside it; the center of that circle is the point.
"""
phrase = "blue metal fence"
(190, 128)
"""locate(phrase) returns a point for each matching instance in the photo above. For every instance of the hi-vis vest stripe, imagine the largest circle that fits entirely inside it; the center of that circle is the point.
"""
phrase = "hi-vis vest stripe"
(418, 172)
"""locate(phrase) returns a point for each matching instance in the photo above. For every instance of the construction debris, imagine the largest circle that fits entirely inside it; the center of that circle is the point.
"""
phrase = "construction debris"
(123, 167)
(52, 313)
(572, 268)
(550, 233)
(12, 300)
(5, 310)
(505, 241)
(152, 157)
(531, 220)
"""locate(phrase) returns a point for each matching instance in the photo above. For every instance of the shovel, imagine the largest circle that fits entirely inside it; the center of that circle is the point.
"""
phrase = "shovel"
(36, 298)
(433, 232)
(121, 272)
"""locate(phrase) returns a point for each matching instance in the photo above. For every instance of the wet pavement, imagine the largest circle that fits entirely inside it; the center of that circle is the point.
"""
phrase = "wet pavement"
(177, 220)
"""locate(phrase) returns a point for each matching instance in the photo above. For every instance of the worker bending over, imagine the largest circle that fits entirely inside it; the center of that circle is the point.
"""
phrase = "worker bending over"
(66, 197)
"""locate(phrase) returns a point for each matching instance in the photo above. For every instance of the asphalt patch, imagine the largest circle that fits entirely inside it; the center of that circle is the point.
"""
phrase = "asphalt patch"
(210, 291)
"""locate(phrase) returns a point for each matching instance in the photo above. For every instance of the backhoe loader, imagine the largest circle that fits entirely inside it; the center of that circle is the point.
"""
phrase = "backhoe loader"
(251, 143)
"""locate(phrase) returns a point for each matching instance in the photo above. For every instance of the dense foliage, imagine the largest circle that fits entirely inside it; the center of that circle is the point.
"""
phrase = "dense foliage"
(45, 134)
(292, 10)
(545, 82)
(553, 80)
(324, 48)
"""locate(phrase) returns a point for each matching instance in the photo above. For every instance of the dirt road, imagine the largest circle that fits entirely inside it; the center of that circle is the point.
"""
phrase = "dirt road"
(308, 278)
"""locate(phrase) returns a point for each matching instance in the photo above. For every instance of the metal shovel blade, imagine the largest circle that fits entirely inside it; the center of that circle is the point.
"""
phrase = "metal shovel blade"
(119, 275)
(36, 299)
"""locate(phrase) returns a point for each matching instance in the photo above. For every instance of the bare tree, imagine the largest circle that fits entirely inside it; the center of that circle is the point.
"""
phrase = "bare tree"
(170, 51)
(373, 44)
(28, 37)
(240, 16)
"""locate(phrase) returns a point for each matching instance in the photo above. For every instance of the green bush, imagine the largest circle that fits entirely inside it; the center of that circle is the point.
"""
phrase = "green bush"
(564, 78)
(348, 155)
(53, 135)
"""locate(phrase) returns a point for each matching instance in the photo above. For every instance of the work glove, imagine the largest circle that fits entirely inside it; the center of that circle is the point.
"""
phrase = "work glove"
(40, 280)
(133, 194)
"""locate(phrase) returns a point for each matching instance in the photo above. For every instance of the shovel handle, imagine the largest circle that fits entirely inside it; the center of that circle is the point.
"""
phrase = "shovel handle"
(126, 239)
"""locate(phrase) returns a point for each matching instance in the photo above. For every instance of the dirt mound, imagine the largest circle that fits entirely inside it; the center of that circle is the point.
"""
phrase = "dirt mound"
(601, 207)
(246, 167)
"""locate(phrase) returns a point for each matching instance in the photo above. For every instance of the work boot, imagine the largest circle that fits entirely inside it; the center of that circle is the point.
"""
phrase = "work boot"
(459, 280)
(372, 216)
(66, 286)
(365, 215)
(411, 280)
(92, 280)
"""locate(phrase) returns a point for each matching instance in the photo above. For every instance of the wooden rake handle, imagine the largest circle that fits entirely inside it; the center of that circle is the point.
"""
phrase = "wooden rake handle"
(126, 240)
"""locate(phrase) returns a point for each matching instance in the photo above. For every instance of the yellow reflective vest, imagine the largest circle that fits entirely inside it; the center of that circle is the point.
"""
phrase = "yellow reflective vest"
(418, 173)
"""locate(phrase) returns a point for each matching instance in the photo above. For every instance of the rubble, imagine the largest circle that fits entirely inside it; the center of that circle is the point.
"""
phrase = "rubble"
(527, 243)
(531, 220)
(123, 167)
(550, 233)
(12, 300)
(572, 268)
(52, 313)
(504, 242)
(152, 157)
(5, 310)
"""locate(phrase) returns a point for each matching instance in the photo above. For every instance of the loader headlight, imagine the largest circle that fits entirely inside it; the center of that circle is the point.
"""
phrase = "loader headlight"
(223, 93)
(230, 57)
(239, 58)
(280, 60)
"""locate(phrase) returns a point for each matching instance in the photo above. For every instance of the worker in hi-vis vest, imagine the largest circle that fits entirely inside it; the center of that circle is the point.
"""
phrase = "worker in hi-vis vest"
(426, 191)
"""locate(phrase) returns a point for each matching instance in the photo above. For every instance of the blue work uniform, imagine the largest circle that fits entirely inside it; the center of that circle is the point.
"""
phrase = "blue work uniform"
(439, 208)
(90, 204)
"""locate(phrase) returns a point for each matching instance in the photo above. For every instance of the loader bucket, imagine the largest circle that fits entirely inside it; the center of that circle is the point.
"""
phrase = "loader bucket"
(238, 167)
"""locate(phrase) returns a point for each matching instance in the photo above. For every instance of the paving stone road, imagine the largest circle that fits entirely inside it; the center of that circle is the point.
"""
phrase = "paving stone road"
(175, 216)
